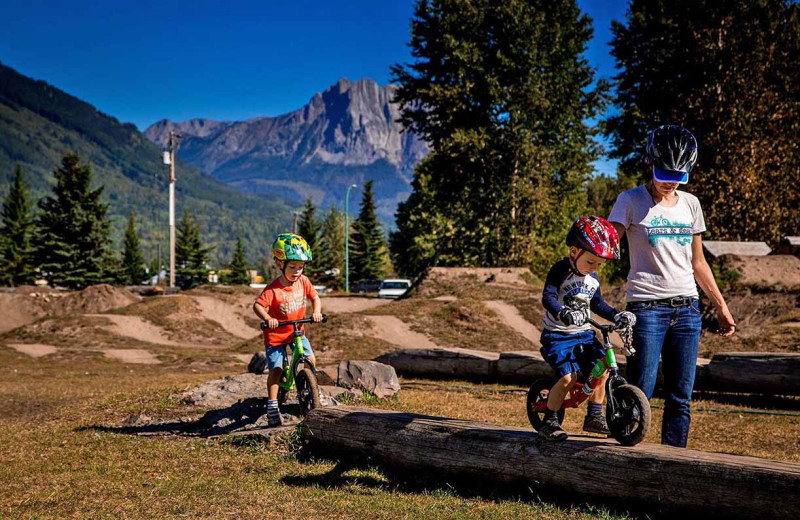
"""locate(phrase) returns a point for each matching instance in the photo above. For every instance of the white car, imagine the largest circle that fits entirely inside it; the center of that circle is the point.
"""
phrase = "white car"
(393, 288)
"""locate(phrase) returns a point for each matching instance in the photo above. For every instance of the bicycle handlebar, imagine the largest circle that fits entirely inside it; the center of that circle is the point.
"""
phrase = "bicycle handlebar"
(264, 326)
(607, 328)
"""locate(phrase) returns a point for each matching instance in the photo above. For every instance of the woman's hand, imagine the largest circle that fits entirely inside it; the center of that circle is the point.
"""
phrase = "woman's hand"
(726, 324)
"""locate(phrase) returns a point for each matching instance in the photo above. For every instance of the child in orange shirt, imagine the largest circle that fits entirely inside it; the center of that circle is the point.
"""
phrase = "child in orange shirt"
(284, 299)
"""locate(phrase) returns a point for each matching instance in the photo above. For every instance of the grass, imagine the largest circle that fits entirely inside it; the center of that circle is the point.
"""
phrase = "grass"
(55, 464)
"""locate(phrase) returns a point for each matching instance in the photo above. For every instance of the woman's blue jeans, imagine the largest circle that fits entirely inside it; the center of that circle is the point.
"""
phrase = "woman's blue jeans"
(673, 333)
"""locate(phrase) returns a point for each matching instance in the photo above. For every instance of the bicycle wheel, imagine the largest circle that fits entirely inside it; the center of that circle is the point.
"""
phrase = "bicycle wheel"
(629, 422)
(536, 401)
(307, 390)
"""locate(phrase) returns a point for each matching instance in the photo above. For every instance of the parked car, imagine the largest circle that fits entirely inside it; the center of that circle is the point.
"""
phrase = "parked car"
(393, 288)
(365, 286)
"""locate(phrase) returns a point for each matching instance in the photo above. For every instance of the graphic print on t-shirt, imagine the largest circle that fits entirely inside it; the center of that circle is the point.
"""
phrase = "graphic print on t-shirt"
(662, 228)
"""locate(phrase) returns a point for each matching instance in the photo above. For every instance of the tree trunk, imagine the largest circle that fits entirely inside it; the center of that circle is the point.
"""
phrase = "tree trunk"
(653, 475)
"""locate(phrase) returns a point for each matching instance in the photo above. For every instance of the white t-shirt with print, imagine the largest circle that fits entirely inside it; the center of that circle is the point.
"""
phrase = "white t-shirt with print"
(660, 243)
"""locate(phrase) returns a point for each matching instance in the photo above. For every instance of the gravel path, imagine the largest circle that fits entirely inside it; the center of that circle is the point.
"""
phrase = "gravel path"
(137, 328)
(395, 331)
(34, 350)
(511, 317)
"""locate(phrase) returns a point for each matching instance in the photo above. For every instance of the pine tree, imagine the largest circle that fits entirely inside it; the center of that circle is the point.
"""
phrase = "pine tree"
(369, 256)
(73, 242)
(190, 255)
(727, 71)
(132, 260)
(238, 267)
(331, 246)
(502, 93)
(16, 252)
(308, 227)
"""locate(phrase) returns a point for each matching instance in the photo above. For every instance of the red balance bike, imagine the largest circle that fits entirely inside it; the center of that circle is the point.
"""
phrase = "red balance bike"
(627, 408)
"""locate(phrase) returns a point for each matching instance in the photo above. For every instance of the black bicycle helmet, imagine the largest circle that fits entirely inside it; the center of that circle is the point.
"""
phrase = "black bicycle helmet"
(673, 150)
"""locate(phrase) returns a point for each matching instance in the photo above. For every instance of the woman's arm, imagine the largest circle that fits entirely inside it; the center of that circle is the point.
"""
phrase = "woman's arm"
(620, 229)
(705, 279)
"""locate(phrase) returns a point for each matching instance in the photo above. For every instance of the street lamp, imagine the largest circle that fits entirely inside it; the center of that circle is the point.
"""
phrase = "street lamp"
(347, 238)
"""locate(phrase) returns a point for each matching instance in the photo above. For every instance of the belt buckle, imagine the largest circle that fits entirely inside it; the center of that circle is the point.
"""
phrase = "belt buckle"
(677, 301)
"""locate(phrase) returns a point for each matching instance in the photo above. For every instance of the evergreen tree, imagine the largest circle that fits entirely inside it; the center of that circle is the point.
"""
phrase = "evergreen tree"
(331, 246)
(238, 267)
(73, 241)
(308, 227)
(190, 255)
(132, 260)
(16, 252)
(502, 92)
(369, 256)
(727, 71)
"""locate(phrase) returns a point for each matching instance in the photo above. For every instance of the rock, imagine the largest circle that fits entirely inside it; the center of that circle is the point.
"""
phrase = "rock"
(328, 376)
(226, 391)
(258, 363)
(337, 392)
(371, 376)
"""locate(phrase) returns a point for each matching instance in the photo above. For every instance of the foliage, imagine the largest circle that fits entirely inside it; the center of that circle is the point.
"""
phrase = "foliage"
(16, 251)
(331, 247)
(40, 123)
(133, 271)
(190, 255)
(308, 227)
(727, 71)
(238, 267)
(369, 255)
(73, 231)
(504, 109)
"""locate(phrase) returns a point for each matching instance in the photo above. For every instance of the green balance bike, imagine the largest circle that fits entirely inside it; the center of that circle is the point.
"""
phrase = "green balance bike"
(298, 372)
(627, 408)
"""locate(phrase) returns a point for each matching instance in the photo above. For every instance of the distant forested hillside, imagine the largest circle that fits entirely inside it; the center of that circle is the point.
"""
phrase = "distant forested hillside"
(40, 123)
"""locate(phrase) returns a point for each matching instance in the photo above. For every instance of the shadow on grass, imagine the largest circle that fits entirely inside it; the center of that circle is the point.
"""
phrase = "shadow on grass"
(245, 415)
(367, 473)
(756, 401)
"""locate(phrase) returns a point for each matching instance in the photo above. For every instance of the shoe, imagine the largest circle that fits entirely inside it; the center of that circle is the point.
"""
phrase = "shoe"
(552, 431)
(596, 424)
(274, 419)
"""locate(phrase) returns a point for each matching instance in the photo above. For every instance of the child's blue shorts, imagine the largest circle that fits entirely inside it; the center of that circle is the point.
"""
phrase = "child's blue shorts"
(276, 355)
(569, 353)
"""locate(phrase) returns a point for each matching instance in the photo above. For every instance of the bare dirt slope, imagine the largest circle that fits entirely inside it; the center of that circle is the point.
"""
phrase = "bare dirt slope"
(765, 272)
(397, 332)
(228, 316)
(511, 316)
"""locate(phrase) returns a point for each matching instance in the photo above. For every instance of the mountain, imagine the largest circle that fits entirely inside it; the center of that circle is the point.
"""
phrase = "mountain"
(346, 134)
(40, 123)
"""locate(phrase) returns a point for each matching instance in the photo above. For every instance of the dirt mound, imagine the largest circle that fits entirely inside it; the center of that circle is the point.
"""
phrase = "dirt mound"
(772, 271)
(455, 280)
(96, 299)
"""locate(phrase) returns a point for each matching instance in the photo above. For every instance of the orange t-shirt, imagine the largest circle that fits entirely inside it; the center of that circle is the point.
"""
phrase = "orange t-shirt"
(285, 303)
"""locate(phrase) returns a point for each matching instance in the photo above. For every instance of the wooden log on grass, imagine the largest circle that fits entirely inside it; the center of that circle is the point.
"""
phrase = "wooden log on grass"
(758, 372)
(653, 475)
(522, 367)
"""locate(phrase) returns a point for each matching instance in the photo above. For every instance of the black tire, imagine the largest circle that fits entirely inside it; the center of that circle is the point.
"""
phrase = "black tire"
(631, 422)
(307, 390)
(538, 392)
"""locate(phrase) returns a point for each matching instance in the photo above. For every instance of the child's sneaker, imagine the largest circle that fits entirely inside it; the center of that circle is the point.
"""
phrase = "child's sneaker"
(273, 414)
(552, 431)
(595, 424)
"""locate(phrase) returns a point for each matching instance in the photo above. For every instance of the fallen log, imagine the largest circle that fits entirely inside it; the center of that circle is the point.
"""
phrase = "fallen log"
(507, 367)
(756, 372)
(655, 475)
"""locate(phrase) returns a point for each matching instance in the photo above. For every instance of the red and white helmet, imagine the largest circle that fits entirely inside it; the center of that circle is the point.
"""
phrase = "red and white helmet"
(595, 235)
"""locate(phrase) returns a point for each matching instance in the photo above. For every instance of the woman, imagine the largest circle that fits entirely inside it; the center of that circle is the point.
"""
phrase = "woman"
(666, 254)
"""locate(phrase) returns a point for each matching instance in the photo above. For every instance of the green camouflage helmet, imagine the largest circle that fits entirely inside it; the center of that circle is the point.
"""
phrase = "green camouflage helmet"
(288, 246)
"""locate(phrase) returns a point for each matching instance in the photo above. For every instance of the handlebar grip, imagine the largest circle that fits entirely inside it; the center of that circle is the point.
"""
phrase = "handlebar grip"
(264, 325)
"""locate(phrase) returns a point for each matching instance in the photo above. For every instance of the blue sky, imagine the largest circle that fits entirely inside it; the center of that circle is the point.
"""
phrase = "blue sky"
(143, 61)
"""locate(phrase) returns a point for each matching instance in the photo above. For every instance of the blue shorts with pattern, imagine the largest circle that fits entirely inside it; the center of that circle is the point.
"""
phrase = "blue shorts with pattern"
(277, 355)
(570, 353)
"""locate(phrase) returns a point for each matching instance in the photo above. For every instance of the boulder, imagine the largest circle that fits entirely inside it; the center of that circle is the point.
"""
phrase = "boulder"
(258, 363)
(371, 376)
(328, 376)
(226, 391)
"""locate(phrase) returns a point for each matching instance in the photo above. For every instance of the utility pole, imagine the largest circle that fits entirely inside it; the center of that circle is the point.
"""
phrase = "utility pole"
(347, 238)
(173, 145)
(294, 225)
